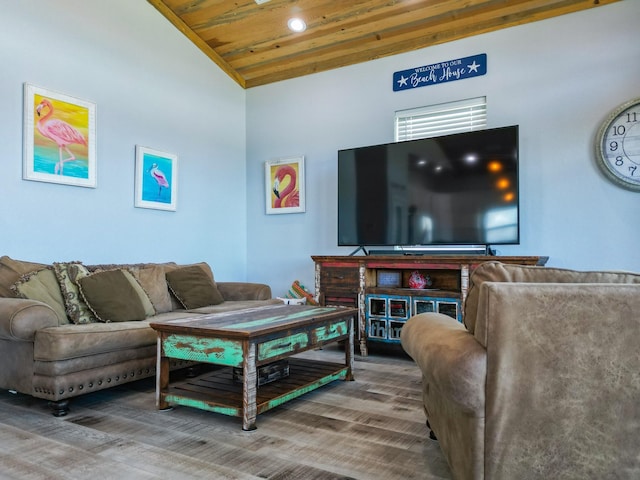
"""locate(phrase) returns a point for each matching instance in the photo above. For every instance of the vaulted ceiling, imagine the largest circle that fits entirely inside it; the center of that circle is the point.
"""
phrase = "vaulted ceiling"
(251, 42)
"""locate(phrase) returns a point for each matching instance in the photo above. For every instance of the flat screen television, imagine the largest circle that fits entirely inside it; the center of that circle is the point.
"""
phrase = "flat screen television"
(452, 190)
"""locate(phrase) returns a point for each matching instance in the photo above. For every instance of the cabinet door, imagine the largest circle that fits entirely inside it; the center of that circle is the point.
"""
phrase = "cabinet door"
(386, 314)
(446, 306)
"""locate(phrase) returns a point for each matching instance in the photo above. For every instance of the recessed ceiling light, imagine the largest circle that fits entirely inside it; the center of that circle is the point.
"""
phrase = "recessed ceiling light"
(260, 2)
(297, 24)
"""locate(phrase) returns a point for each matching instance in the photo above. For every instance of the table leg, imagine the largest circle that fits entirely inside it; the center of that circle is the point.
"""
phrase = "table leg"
(162, 377)
(349, 350)
(249, 387)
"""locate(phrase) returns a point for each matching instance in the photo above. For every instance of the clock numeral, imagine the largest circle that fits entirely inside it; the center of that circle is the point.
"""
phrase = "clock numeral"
(632, 170)
(632, 117)
(619, 161)
(613, 146)
(618, 129)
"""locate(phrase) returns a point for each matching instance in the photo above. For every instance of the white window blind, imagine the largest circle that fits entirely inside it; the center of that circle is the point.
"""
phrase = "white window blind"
(442, 119)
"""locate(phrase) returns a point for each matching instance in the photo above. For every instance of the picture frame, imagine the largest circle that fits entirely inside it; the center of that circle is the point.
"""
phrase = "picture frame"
(284, 185)
(156, 179)
(59, 136)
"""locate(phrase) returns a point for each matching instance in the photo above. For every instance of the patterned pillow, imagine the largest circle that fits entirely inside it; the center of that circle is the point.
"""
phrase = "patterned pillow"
(42, 285)
(68, 274)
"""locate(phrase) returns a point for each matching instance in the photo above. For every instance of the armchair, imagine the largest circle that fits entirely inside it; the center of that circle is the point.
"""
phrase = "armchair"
(542, 381)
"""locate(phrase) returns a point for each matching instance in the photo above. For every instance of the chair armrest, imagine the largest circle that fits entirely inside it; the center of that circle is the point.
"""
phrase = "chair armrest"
(449, 357)
(244, 291)
(20, 319)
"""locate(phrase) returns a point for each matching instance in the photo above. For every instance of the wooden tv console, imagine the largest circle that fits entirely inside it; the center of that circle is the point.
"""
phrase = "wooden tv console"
(378, 286)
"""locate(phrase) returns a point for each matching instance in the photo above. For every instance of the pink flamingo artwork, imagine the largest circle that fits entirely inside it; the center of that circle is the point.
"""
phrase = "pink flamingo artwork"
(58, 131)
(159, 177)
(290, 196)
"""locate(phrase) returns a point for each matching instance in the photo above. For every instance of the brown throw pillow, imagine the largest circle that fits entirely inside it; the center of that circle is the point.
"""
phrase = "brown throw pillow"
(10, 272)
(193, 287)
(111, 297)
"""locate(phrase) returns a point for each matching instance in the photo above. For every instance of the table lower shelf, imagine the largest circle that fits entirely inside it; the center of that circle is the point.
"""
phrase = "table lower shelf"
(217, 391)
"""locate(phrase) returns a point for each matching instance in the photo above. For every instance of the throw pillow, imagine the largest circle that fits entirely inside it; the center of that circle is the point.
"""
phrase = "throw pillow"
(193, 287)
(112, 297)
(10, 272)
(42, 285)
(154, 283)
(68, 273)
(149, 311)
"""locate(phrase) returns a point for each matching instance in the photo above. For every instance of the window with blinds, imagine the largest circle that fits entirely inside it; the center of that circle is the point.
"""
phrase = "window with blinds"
(442, 119)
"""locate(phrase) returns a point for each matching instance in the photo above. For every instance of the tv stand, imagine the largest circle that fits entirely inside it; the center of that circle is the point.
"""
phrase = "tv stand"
(378, 285)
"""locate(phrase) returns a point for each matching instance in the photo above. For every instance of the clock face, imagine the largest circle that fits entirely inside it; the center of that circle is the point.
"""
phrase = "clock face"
(618, 146)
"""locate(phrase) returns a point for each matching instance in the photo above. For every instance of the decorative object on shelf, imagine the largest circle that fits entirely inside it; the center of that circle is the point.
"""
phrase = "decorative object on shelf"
(284, 184)
(418, 280)
(156, 179)
(389, 278)
(59, 138)
(618, 146)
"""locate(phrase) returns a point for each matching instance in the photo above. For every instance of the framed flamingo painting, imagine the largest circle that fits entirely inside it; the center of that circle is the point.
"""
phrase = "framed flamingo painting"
(284, 179)
(156, 179)
(59, 138)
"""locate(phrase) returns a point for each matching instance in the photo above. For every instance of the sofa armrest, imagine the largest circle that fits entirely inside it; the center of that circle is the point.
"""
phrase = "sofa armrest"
(244, 291)
(20, 319)
(449, 357)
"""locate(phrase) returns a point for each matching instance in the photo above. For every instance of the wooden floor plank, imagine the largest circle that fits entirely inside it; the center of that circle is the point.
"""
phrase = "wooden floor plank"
(369, 429)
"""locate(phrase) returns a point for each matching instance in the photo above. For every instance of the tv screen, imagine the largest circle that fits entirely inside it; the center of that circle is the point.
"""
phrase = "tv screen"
(459, 189)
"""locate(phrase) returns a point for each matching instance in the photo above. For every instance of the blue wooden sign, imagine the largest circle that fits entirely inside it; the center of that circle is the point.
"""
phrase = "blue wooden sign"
(442, 72)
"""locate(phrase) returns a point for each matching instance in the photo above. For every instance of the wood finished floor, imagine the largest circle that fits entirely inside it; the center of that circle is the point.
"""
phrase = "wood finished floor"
(372, 428)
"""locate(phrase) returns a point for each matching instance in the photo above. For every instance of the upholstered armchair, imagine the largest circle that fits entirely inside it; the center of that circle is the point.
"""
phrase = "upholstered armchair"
(543, 379)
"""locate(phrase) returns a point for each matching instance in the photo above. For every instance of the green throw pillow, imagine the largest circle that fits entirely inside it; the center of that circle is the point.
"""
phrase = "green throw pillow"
(112, 297)
(42, 286)
(193, 287)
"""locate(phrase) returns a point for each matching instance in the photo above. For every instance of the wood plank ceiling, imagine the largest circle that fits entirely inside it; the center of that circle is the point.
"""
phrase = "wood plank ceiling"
(252, 43)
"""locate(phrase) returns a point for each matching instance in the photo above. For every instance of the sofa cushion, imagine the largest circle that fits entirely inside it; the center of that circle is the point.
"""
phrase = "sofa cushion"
(193, 287)
(68, 274)
(112, 297)
(42, 285)
(74, 341)
(154, 284)
(495, 271)
(10, 272)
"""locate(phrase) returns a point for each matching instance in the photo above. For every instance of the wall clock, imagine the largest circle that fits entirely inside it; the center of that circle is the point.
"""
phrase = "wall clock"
(618, 146)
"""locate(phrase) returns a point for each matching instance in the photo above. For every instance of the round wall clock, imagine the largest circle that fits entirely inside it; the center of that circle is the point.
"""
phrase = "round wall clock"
(618, 146)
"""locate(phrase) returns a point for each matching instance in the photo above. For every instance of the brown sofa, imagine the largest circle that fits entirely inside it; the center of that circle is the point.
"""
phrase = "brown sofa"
(67, 329)
(543, 381)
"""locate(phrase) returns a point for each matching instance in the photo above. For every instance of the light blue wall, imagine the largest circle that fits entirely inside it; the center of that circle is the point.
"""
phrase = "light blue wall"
(558, 79)
(153, 88)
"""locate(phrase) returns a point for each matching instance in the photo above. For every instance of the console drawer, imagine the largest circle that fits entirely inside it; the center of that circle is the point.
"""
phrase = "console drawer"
(339, 279)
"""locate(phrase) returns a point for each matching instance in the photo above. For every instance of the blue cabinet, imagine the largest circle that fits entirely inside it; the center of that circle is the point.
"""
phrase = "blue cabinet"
(386, 314)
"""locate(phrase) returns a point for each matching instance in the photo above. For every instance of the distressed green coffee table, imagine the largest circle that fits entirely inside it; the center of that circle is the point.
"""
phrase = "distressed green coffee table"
(249, 339)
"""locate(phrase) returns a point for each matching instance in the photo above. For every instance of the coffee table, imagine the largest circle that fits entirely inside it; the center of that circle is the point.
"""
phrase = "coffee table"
(249, 340)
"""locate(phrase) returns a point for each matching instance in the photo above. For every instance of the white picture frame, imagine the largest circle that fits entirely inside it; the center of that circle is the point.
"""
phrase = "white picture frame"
(285, 185)
(156, 179)
(59, 136)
